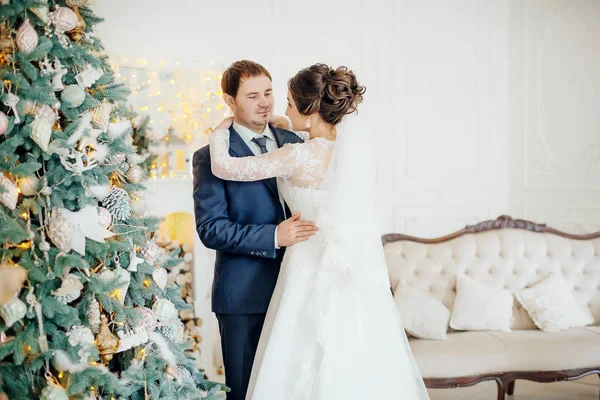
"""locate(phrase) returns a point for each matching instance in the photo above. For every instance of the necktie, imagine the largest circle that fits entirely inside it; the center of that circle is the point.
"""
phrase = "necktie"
(262, 143)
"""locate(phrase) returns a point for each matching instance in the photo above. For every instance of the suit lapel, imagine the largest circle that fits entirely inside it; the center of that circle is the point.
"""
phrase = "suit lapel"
(239, 148)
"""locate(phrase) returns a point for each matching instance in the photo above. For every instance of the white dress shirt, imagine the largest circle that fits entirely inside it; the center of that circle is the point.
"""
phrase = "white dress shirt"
(247, 135)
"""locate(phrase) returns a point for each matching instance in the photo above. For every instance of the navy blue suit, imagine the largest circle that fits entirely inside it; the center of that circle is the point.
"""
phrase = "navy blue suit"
(238, 220)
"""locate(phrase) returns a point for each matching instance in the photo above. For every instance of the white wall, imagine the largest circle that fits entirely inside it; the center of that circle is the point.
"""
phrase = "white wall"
(479, 108)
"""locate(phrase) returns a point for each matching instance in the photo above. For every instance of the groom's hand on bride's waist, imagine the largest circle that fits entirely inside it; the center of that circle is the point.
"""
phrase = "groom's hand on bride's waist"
(294, 230)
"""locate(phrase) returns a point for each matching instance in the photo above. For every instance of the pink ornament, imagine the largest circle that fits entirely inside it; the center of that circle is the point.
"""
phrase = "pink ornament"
(63, 18)
(104, 217)
(3, 123)
(27, 37)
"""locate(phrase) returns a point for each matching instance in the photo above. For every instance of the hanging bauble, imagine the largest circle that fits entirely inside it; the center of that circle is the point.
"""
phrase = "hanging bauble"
(27, 37)
(30, 185)
(150, 252)
(161, 277)
(101, 116)
(69, 290)
(73, 96)
(164, 310)
(94, 314)
(3, 123)
(135, 174)
(60, 231)
(13, 311)
(78, 32)
(77, 3)
(41, 131)
(106, 342)
(104, 217)
(117, 202)
(146, 319)
(63, 18)
(54, 392)
(10, 195)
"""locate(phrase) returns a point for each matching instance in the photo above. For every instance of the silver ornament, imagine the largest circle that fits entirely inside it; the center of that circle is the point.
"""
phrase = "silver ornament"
(63, 18)
(161, 277)
(94, 314)
(13, 311)
(10, 195)
(135, 174)
(41, 131)
(73, 96)
(101, 116)
(60, 231)
(104, 217)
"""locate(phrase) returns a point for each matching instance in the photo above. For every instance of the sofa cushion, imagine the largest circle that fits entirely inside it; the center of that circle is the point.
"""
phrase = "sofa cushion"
(551, 305)
(423, 316)
(462, 354)
(529, 350)
(478, 307)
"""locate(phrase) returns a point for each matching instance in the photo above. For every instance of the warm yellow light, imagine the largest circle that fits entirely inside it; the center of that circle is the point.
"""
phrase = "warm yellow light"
(172, 81)
(61, 374)
(25, 215)
(125, 78)
(147, 282)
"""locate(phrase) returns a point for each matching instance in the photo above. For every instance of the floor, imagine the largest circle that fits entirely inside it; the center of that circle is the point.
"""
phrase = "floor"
(587, 388)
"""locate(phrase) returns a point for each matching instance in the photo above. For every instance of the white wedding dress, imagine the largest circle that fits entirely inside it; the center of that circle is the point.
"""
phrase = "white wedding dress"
(332, 330)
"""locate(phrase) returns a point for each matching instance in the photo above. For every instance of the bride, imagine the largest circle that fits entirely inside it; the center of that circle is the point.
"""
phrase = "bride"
(332, 330)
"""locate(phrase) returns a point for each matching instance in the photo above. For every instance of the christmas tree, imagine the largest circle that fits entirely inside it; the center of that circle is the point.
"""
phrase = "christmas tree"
(95, 317)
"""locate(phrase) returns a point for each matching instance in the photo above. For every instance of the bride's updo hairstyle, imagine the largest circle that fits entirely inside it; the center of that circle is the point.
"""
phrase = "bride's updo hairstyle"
(332, 93)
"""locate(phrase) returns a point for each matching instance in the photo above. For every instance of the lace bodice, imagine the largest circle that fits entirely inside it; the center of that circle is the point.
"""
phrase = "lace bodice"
(300, 164)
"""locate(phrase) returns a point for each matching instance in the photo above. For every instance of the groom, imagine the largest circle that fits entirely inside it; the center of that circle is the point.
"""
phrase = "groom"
(245, 222)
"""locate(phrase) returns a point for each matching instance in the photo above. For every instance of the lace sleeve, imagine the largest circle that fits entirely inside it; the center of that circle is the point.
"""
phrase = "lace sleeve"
(304, 163)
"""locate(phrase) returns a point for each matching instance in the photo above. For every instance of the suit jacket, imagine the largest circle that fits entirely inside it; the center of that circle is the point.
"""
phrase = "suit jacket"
(238, 220)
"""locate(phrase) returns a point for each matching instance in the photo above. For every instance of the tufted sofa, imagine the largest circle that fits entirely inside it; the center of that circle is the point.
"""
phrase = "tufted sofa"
(510, 254)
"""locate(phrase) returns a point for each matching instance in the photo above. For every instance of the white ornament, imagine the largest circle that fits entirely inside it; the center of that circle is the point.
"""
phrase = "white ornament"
(173, 330)
(77, 162)
(161, 277)
(27, 37)
(132, 338)
(164, 310)
(94, 314)
(13, 311)
(88, 76)
(122, 276)
(45, 112)
(104, 217)
(134, 261)
(101, 116)
(69, 290)
(41, 131)
(84, 128)
(30, 185)
(83, 337)
(60, 230)
(117, 129)
(73, 96)
(11, 101)
(84, 224)
(10, 195)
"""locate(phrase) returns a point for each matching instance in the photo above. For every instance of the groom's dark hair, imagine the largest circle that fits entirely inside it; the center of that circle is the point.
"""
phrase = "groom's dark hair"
(230, 82)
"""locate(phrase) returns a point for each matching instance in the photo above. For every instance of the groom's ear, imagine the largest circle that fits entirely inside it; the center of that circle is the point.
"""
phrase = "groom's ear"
(229, 101)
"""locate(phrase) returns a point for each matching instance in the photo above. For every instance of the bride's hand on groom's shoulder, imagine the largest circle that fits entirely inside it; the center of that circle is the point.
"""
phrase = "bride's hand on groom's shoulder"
(225, 124)
(279, 122)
